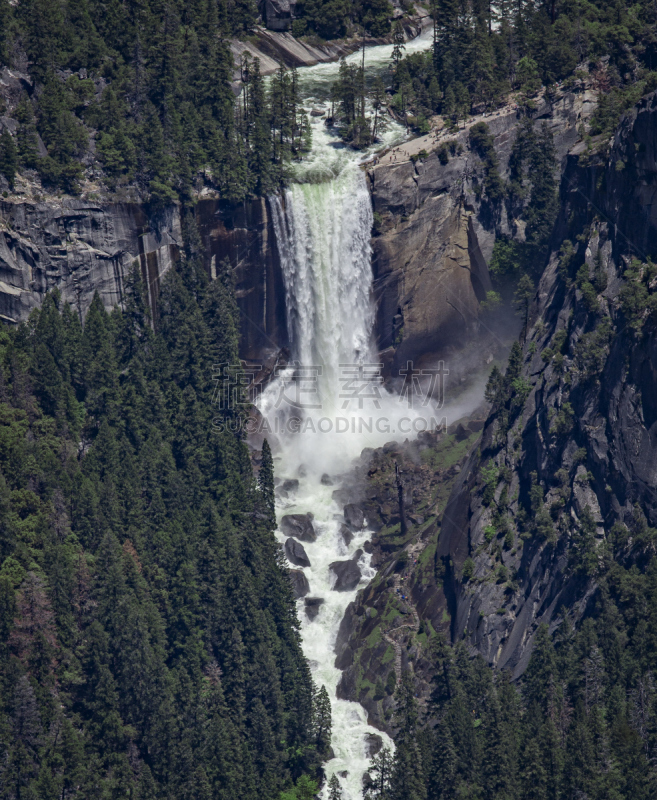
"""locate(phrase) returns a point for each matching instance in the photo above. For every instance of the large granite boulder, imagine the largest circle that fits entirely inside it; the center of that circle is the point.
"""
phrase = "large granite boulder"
(296, 554)
(300, 526)
(312, 605)
(347, 575)
(300, 585)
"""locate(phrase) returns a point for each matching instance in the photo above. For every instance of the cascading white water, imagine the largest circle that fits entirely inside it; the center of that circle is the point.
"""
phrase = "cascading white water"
(323, 228)
(324, 241)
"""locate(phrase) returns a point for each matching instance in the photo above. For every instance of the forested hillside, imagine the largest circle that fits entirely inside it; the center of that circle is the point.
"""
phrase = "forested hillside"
(581, 722)
(139, 94)
(149, 643)
(482, 51)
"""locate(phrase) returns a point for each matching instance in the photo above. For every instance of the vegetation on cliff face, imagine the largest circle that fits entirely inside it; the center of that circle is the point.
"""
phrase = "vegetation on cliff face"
(482, 51)
(140, 94)
(149, 644)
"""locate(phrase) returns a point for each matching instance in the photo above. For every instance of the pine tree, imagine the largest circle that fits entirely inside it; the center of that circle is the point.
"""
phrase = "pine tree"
(5, 31)
(334, 789)
(266, 485)
(398, 46)
(407, 779)
(8, 157)
(380, 773)
(322, 721)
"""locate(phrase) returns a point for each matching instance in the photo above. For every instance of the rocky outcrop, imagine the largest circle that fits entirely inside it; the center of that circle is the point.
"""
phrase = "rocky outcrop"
(437, 231)
(378, 636)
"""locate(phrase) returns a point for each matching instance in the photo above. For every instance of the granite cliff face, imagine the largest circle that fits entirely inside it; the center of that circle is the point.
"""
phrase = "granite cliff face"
(437, 231)
(81, 248)
(567, 452)
(556, 472)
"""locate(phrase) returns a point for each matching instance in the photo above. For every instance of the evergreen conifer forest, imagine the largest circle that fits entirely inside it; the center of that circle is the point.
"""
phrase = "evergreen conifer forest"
(150, 639)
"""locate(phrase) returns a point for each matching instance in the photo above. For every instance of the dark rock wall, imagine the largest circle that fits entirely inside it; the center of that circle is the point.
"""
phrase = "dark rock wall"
(81, 248)
(607, 412)
(245, 236)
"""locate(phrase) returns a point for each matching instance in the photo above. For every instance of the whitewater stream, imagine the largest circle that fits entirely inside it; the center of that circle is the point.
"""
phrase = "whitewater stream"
(323, 227)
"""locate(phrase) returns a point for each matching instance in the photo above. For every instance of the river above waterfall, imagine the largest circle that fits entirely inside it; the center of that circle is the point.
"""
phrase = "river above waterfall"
(323, 225)
(329, 156)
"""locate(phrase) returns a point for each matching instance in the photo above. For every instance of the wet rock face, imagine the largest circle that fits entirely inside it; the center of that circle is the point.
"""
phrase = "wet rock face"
(437, 235)
(295, 553)
(373, 743)
(300, 585)
(287, 488)
(300, 526)
(347, 575)
(245, 236)
(346, 534)
(354, 517)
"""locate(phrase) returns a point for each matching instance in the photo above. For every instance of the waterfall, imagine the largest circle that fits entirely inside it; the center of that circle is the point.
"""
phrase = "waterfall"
(323, 226)
(323, 235)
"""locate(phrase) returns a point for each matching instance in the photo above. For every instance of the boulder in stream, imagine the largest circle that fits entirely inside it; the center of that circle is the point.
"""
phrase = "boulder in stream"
(300, 585)
(300, 526)
(288, 487)
(347, 535)
(373, 743)
(354, 517)
(347, 574)
(295, 553)
(312, 605)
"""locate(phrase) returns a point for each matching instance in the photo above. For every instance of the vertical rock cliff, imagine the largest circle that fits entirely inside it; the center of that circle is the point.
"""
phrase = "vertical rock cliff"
(569, 450)
(81, 248)
(436, 230)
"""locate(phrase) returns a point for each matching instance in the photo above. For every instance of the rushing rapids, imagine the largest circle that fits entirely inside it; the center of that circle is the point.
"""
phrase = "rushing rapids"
(323, 227)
